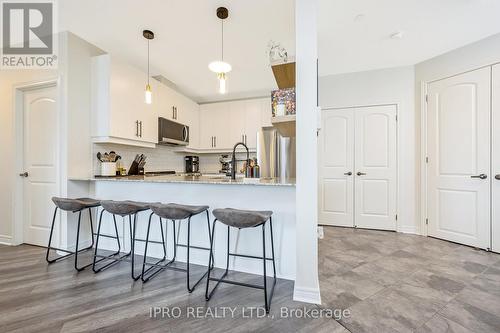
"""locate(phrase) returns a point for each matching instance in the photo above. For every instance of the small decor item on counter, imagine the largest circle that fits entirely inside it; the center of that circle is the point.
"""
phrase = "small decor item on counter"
(108, 163)
(137, 167)
(108, 169)
(256, 168)
(283, 102)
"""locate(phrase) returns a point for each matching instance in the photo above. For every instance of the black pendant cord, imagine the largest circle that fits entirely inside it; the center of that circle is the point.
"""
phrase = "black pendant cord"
(222, 40)
(148, 62)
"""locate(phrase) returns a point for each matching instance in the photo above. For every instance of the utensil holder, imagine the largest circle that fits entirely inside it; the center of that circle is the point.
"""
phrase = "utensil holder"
(108, 169)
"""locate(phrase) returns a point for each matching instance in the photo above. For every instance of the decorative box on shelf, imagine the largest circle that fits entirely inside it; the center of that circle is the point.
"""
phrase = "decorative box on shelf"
(283, 102)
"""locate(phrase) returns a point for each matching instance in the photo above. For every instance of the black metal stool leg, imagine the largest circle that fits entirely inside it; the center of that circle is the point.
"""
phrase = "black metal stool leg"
(210, 241)
(210, 261)
(108, 257)
(274, 264)
(264, 261)
(221, 279)
(189, 288)
(132, 245)
(154, 266)
(50, 238)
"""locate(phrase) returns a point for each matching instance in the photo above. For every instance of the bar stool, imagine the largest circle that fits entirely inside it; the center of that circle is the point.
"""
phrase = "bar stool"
(123, 209)
(243, 219)
(74, 206)
(174, 212)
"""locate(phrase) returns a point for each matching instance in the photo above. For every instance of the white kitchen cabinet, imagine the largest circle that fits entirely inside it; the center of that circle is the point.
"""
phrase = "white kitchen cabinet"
(119, 113)
(253, 122)
(224, 124)
(177, 107)
(266, 112)
(215, 127)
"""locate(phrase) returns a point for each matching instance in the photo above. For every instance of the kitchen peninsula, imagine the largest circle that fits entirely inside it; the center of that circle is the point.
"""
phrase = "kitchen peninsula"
(216, 191)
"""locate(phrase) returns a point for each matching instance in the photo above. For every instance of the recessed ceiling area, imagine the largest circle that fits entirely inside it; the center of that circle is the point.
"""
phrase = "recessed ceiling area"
(188, 38)
(355, 35)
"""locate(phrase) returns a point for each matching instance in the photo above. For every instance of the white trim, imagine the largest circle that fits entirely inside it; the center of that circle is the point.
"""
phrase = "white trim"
(307, 295)
(5, 240)
(408, 230)
(18, 139)
(121, 141)
(423, 163)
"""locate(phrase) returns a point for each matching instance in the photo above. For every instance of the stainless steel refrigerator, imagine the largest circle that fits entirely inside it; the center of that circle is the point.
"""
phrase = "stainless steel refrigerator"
(275, 154)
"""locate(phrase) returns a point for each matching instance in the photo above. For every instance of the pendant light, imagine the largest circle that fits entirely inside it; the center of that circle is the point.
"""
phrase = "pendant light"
(220, 67)
(148, 98)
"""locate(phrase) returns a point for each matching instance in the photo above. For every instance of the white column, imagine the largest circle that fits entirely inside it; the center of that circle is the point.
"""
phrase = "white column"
(306, 282)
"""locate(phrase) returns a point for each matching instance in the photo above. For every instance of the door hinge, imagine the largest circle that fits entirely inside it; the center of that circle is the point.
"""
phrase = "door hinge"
(426, 221)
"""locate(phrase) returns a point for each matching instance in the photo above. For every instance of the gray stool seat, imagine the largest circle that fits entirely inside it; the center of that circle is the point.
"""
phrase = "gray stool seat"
(124, 208)
(75, 205)
(241, 218)
(174, 211)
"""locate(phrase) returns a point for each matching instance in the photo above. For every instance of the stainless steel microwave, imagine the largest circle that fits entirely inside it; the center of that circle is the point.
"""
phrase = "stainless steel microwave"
(172, 133)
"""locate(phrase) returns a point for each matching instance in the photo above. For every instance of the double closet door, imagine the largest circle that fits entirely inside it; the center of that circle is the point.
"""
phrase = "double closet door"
(358, 167)
(463, 163)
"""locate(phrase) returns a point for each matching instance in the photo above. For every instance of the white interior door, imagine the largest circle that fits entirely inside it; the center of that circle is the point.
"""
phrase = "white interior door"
(40, 163)
(375, 167)
(336, 154)
(495, 160)
(458, 147)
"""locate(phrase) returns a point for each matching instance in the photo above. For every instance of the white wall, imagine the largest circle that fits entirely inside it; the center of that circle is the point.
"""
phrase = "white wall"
(306, 283)
(470, 57)
(386, 86)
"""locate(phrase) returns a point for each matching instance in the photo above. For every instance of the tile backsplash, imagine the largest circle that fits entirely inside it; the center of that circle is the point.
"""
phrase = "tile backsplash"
(161, 158)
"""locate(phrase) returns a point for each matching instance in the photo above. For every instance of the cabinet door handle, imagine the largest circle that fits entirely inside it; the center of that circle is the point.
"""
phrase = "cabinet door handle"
(137, 128)
(481, 176)
(215, 141)
(212, 141)
(361, 173)
(497, 177)
(176, 114)
(140, 129)
(348, 173)
(246, 139)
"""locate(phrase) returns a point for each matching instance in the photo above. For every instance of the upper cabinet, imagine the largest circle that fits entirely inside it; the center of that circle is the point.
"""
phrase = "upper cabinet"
(119, 113)
(224, 124)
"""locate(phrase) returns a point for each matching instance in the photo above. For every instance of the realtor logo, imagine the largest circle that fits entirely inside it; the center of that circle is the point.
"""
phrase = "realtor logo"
(28, 34)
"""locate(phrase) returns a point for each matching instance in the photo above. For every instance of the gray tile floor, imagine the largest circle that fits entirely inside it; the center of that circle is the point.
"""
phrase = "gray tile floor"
(393, 282)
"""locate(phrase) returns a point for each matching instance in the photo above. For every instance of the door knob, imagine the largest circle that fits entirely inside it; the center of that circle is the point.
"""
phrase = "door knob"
(24, 174)
(497, 177)
(348, 173)
(481, 176)
(361, 173)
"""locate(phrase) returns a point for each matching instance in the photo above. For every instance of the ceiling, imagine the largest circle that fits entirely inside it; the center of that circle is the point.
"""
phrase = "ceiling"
(354, 35)
(188, 38)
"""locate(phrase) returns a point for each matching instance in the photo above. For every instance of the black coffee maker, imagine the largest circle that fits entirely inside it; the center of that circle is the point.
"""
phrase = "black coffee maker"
(192, 164)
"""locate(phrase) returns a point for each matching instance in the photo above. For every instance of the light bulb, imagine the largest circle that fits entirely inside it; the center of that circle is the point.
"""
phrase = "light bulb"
(148, 96)
(222, 83)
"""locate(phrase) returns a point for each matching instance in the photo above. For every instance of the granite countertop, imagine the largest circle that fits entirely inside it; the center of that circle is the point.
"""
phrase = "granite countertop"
(204, 179)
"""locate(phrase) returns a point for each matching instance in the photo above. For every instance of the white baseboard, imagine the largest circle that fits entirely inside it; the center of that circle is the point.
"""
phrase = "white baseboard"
(408, 230)
(307, 295)
(5, 240)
